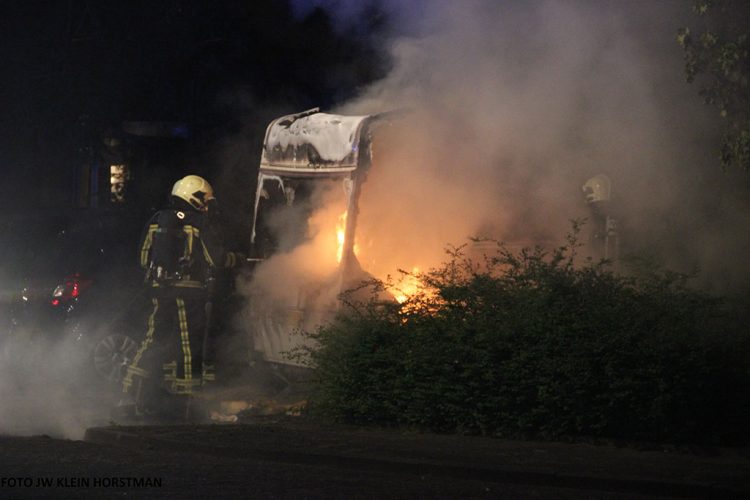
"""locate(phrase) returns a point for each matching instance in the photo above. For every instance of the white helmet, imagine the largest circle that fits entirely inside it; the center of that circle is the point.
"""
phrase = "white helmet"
(194, 190)
(597, 189)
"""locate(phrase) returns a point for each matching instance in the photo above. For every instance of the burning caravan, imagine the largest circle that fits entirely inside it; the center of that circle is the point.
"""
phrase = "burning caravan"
(304, 154)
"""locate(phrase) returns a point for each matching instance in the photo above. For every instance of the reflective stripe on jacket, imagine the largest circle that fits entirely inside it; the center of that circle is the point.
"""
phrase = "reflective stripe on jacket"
(203, 251)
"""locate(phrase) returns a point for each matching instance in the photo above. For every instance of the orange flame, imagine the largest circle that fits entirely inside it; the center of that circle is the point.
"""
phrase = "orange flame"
(341, 236)
(408, 286)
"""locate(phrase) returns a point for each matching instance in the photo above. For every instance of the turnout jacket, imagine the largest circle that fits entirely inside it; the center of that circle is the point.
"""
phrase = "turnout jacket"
(180, 248)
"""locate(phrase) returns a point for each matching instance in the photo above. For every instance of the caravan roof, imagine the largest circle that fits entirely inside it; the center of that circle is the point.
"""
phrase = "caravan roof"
(313, 143)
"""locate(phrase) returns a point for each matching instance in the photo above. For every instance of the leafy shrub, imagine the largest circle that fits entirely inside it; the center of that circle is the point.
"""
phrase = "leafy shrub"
(529, 343)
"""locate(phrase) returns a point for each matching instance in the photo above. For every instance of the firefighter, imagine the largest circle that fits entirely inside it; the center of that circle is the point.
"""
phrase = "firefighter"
(181, 251)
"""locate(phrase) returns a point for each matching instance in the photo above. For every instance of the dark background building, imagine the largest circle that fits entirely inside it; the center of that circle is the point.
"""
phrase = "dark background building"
(105, 103)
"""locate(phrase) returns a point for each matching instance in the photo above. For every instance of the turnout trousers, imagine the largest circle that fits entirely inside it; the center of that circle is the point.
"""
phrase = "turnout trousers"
(170, 357)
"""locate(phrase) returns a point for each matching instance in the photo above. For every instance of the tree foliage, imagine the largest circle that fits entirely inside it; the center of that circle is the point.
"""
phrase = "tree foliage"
(528, 343)
(717, 56)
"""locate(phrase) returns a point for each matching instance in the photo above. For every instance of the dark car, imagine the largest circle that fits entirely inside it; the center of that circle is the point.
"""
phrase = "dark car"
(74, 280)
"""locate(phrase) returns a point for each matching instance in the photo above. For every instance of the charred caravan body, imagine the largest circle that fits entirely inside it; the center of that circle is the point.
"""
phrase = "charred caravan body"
(300, 153)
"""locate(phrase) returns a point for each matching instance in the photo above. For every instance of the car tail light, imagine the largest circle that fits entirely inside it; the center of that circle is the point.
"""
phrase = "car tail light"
(69, 290)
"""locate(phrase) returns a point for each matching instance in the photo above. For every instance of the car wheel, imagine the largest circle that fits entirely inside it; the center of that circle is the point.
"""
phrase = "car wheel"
(112, 355)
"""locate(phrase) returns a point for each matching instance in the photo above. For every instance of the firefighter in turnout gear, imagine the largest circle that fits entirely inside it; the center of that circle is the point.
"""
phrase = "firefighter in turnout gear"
(180, 252)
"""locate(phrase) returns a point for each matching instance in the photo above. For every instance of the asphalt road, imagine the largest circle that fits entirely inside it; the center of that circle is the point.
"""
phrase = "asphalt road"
(76, 469)
(288, 457)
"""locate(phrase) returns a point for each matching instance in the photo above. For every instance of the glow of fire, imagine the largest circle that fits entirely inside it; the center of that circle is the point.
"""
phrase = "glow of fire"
(341, 236)
(408, 286)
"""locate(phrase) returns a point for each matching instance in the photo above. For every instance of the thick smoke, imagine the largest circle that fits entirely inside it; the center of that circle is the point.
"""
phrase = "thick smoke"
(305, 265)
(44, 388)
(514, 105)
(510, 108)
(48, 380)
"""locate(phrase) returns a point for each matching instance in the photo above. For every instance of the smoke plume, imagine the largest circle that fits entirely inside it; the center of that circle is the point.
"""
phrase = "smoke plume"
(45, 389)
(509, 108)
(514, 105)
